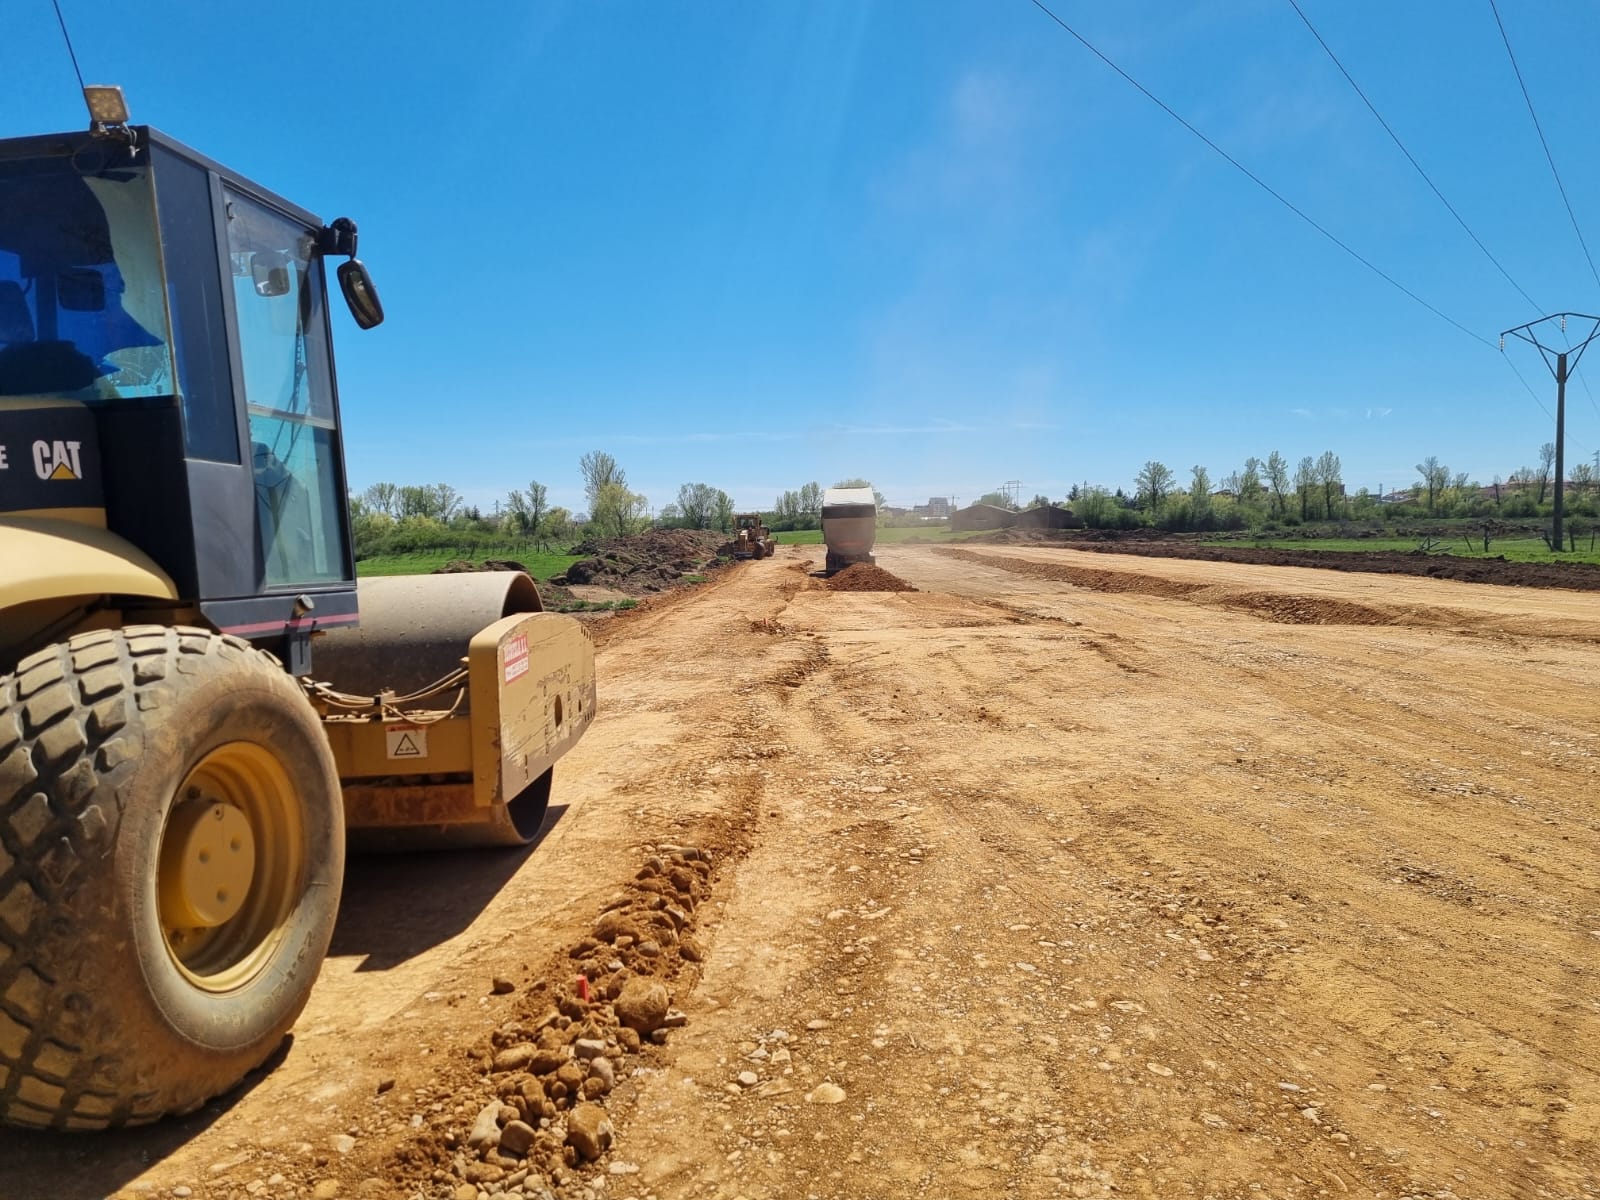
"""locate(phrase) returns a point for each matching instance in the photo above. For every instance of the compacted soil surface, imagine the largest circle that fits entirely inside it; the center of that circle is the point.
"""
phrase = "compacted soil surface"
(1061, 875)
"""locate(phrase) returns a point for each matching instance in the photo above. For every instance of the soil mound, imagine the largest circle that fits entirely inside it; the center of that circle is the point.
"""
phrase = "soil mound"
(1578, 576)
(864, 577)
(651, 561)
(459, 566)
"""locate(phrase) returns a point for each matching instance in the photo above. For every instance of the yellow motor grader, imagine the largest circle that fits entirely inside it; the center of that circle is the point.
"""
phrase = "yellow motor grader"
(197, 701)
(751, 537)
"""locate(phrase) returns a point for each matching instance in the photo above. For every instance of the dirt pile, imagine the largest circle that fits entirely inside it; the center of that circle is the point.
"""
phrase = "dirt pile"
(460, 566)
(1157, 543)
(547, 1070)
(645, 562)
(1579, 576)
(864, 577)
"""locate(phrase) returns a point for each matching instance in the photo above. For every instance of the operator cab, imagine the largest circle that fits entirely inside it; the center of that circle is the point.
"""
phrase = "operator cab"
(166, 371)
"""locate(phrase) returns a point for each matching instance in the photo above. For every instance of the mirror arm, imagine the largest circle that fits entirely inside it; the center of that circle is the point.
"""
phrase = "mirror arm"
(338, 238)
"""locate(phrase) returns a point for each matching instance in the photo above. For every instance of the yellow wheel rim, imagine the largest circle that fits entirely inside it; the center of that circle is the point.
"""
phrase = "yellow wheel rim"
(231, 866)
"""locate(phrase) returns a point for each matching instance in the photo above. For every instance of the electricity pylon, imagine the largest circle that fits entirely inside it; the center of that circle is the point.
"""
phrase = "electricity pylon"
(1560, 367)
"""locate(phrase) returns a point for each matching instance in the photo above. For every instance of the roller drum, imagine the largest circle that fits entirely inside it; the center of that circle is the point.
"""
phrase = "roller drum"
(414, 629)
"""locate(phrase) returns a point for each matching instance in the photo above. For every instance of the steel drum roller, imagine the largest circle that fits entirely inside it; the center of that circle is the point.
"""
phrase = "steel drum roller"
(415, 629)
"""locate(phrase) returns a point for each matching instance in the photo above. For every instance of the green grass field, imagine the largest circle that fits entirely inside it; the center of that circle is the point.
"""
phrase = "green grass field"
(1531, 550)
(895, 533)
(541, 566)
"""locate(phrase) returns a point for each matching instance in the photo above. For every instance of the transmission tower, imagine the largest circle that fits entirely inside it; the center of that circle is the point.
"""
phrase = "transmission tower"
(1561, 363)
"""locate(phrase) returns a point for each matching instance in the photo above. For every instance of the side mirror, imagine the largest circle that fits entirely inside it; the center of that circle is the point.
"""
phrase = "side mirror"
(81, 289)
(360, 293)
(270, 271)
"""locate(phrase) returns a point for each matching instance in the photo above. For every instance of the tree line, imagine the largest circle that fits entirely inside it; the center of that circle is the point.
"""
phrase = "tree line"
(387, 518)
(1268, 492)
(1263, 493)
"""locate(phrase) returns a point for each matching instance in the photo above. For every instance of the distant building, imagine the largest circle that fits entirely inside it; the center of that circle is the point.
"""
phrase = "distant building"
(1046, 516)
(982, 516)
(936, 509)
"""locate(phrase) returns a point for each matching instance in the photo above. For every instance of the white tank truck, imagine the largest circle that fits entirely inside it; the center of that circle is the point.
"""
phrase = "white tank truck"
(849, 525)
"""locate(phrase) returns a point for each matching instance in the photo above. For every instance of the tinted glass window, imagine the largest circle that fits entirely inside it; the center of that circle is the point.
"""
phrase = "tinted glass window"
(82, 300)
(277, 291)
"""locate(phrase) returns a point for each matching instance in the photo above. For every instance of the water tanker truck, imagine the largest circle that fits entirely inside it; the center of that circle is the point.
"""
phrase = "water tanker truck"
(849, 525)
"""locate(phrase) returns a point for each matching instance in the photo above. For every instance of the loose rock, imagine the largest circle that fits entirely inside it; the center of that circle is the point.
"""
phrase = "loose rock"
(825, 1093)
(485, 1132)
(643, 1005)
(516, 1058)
(588, 1131)
(516, 1138)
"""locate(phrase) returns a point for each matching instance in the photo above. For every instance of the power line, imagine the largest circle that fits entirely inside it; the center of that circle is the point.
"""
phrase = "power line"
(73, 54)
(1527, 385)
(1426, 178)
(1264, 186)
(1254, 178)
(1394, 137)
(1550, 158)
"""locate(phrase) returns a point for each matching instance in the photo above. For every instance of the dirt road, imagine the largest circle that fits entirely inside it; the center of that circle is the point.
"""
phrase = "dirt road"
(1065, 875)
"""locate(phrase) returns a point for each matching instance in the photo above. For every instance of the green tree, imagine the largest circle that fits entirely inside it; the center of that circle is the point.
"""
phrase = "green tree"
(811, 504)
(436, 501)
(383, 498)
(1435, 478)
(1547, 469)
(1153, 484)
(997, 499)
(786, 511)
(1305, 479)
(525, 511)
(558, 526)
(1250, 487)
(599, 469)
(1330, 477)
(1277, 468)
(616, 511)
(697, 502)
(1583, 477)
(1200, 497)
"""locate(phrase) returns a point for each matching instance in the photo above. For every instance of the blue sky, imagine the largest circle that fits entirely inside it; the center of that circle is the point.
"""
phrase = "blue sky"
(935, 244)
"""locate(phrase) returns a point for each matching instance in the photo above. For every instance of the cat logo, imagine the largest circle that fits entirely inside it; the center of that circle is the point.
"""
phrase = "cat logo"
(57, 460)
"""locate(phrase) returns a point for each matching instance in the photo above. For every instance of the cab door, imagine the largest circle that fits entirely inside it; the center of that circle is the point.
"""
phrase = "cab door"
(286, 369)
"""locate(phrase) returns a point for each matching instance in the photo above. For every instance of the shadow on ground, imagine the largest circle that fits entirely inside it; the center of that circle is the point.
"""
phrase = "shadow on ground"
(394, 907)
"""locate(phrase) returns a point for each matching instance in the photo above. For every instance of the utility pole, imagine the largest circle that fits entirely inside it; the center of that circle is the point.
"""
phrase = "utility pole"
(1564, 362)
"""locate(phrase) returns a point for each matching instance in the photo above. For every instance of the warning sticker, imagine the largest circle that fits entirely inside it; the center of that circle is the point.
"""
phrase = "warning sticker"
(406, 741)
(516, 657)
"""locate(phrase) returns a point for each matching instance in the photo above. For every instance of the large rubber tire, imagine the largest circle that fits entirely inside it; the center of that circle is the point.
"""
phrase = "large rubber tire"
(110, 1014)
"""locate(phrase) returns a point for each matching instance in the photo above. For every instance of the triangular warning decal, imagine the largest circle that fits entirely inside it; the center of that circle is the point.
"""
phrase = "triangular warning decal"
(405, 748)
(62, 471)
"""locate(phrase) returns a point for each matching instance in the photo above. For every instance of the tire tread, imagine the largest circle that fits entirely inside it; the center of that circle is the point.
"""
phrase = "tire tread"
(68, 732)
